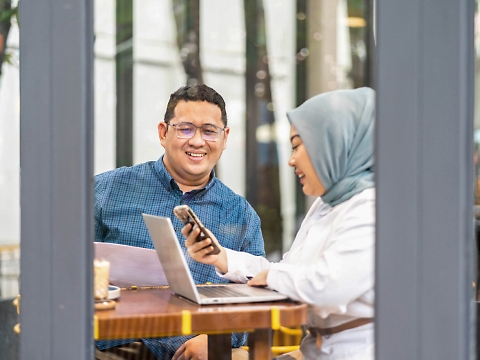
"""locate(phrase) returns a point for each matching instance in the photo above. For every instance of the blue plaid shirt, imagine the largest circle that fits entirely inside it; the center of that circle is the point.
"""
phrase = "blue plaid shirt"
(123, 194)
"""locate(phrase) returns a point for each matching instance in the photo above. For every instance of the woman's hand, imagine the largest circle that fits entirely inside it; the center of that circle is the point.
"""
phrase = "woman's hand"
(260, 279)
(200, 250)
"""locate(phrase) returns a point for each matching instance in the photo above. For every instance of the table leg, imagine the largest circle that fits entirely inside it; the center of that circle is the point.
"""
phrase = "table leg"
(220, 347)
(260, 344)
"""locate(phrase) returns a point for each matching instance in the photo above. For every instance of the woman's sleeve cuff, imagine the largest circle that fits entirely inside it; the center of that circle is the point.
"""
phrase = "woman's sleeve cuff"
(236, 267)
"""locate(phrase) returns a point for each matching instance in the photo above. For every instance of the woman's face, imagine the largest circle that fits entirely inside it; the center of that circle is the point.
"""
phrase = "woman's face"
(303, 166)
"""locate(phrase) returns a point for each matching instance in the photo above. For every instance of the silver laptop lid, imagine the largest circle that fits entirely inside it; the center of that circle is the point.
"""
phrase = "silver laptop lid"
(171, 256)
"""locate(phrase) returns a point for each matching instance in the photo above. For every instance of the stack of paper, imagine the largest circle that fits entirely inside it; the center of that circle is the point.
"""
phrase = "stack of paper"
(130, 265)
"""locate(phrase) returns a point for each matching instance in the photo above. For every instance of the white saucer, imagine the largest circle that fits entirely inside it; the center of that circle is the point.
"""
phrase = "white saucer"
(104, 304)
(113, 292)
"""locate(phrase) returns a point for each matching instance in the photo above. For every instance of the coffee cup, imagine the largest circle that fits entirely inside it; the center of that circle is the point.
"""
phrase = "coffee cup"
(101, 273)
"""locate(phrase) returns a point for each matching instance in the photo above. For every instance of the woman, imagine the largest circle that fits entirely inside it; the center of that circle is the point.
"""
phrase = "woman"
(330, 264)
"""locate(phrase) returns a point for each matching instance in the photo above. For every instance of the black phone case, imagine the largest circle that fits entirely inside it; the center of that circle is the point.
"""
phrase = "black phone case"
(186, 218)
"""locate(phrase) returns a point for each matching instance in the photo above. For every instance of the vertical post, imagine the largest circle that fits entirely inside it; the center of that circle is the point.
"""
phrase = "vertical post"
(425, 243)
(187, 19)
(251, 54)
(301, 85)
(124, 84)
(370, 45)
(263, 183)
(56, 158)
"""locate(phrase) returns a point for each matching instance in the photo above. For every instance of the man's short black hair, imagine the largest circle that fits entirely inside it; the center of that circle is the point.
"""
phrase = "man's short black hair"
(195, 93)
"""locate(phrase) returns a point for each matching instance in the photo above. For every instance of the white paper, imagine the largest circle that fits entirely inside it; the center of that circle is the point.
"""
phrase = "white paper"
(130, 265)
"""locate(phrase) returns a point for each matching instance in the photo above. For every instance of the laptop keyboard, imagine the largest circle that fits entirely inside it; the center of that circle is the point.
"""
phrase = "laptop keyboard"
(219, 291)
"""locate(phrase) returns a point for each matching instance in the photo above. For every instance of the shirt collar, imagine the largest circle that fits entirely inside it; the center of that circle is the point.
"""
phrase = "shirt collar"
(322, 208)
(325, 208)
(170, 184)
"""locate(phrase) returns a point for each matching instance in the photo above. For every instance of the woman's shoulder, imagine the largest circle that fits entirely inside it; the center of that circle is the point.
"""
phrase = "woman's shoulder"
(366, 197)
(361, 205)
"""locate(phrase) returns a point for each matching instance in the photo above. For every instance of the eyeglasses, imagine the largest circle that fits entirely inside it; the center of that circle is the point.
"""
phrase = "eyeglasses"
(186, 130)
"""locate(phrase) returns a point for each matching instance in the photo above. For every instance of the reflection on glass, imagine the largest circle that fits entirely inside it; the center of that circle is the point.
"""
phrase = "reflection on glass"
(264, 57)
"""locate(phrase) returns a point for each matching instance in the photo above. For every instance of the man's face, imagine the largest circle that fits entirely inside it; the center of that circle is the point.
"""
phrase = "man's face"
(190, 161)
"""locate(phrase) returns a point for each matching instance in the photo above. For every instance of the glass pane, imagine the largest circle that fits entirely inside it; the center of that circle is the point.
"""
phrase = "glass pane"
(263, 56)
(9, 179)
(329, 41)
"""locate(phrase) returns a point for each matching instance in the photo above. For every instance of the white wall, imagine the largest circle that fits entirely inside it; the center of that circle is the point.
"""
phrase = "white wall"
(104, 85)
(10, 147)
(157, 73)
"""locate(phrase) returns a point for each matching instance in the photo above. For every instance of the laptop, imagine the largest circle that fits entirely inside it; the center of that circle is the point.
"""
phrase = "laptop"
(180, 278)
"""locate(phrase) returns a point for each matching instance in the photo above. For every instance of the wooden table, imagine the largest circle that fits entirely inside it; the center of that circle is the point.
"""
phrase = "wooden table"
(158, 313)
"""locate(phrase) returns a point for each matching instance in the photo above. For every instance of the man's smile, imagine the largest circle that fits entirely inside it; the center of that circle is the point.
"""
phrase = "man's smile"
(196, 155)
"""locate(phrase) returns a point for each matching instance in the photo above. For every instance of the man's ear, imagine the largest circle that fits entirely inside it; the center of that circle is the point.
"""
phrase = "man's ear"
(162, 132)
(225, 136)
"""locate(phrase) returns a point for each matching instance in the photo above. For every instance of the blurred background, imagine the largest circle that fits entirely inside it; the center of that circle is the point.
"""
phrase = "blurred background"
(263, 56)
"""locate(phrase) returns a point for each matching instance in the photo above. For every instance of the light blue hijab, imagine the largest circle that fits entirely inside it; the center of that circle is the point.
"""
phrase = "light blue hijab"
(337, 129)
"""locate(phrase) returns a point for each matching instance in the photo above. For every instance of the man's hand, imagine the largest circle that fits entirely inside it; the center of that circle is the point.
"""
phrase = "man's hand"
(260, 279)
(199, 250)
(193, 349)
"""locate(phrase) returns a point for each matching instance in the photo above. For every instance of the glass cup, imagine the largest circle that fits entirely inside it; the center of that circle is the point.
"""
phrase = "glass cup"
(101, 273)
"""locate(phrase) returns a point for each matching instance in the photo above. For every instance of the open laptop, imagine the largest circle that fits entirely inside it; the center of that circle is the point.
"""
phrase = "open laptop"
(180, 279)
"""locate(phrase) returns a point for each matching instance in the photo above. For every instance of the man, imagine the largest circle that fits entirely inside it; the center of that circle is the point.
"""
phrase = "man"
(194, 134)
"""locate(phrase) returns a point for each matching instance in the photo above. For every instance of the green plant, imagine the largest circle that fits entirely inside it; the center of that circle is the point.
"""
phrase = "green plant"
(7, 12)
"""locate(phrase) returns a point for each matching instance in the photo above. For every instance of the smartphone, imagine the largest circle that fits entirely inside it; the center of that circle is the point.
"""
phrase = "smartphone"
(187, 216)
